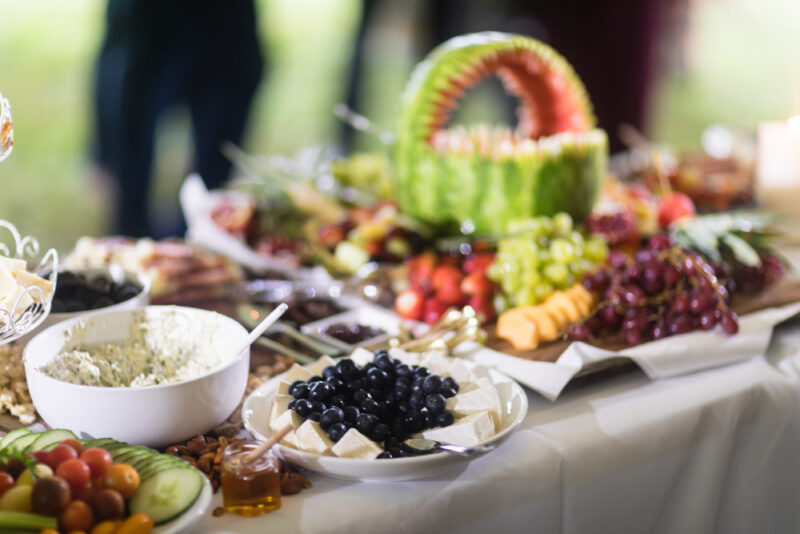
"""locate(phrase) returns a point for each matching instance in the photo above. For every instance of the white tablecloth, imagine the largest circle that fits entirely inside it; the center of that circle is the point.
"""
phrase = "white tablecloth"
(715, 451)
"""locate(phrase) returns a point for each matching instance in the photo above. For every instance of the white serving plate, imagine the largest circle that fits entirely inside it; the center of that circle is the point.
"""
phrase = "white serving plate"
(192, 515)
(255, 413)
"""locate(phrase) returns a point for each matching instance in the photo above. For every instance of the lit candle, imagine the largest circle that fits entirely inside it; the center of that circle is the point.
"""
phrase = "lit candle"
(779, 166)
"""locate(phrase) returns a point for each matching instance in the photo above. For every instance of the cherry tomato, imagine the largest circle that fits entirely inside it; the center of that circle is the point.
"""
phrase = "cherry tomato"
(123, 478)
(108, 504)
(42, 457)
(6, 482)
(76, 516)
(75, 444)
(106, 527)
(98, 460)
(136, 524)
(75, 472)
(85, 494)
(48, 531)
(60, 454)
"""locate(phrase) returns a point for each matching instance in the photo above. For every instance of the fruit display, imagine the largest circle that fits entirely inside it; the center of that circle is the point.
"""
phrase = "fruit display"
(439, 282)
(488, 177)
(367, 405)
(541, 256)
(97, 486)
(377, 234)
(527, 327)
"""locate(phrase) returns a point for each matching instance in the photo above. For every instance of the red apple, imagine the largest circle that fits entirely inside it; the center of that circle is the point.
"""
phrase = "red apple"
(409, 304)
(673, 207)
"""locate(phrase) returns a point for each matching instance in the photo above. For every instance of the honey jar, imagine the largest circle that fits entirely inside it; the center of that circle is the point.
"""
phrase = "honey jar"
(250, 488)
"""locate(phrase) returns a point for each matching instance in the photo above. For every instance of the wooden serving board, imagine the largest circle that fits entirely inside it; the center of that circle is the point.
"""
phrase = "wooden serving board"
(786, 291)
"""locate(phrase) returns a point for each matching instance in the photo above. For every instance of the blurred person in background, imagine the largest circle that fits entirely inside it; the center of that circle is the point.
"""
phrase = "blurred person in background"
(157, 55)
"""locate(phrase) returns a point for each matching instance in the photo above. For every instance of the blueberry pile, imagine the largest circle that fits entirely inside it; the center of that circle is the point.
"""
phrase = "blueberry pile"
(385, 400)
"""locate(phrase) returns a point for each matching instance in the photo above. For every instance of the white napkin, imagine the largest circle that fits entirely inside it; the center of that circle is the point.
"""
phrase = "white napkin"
(664, 358)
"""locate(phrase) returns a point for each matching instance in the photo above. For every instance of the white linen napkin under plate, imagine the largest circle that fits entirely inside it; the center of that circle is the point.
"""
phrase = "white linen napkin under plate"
(670, 356)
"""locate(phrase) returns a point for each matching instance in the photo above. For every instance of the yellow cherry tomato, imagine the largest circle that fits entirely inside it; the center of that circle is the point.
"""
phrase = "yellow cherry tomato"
(136, 524)
(106, 527)
(123, 478)
(17, 498)
(48, 531)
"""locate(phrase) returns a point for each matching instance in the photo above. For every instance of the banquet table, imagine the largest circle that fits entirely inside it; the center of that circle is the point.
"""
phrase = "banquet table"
(713, 451)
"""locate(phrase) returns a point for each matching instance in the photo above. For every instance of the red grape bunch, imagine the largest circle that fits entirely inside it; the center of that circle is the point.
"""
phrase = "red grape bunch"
(661, 291)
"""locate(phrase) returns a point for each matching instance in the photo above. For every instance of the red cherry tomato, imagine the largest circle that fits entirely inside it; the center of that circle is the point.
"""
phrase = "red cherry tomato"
(76, 516)
(75, 444)
(42, 457)
(98, 460)
(6, 482)
(60, 454)
(75, 472)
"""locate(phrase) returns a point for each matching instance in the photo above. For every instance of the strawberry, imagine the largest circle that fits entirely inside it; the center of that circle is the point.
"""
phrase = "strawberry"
(482, 305)
(476, 283)
(409, 304)
(450, 294)
(433, 310)
(445, 275)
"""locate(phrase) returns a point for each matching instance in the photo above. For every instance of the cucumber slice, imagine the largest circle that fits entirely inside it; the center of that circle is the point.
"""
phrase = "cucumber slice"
(167, 494)
(120, 452)
(11, 436)
(19, 444)
(135, 456)
(101, 443)
(48, 440)
(159, 465)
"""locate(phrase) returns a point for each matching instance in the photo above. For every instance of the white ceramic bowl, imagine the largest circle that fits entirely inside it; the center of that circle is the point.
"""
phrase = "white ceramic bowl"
(255, 410)
(118, 275)
(152, 415)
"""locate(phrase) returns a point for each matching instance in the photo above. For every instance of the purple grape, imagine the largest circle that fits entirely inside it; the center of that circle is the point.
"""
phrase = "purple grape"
(617, 259)
(699, 302)
(633, 296)
(642, 255)
(580, 333)
(680, 324)
(660, 242)
(659, 329)
(680, 305)
(707, 320)
(730, 322)
(671, 276)
(633, 336)
(610, 315)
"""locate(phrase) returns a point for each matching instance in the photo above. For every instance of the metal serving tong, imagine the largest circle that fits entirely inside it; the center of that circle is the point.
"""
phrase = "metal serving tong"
(250, 315)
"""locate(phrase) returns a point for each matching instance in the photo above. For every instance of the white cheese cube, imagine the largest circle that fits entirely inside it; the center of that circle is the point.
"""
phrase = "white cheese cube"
(310, 437)
(290, 440)
(26, 279)
(296, 372)
(437, 362)
(8, 284)
(467, 431)
(354, 444)
(479, 395)
(408, 358)
(362, 356)
(288, 417)
(13, 264)
(317, 367)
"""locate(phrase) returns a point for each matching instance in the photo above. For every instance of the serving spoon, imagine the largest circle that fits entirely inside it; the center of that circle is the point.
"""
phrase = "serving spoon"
(424, 446)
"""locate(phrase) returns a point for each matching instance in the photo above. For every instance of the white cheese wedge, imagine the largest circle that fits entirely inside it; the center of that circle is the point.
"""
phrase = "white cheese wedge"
(290, 440)
(9, 301)
(26, 279)
(361, 356)
(285, 418)
(310, 437)
(317, 367)
(283, 387)
(8, 284)
(467, 431)
(461, 371)
(354, 444)
(297, 372)
(408, 358)
(280, 404)
(437, 362)
(13, 264)
(478, 396)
